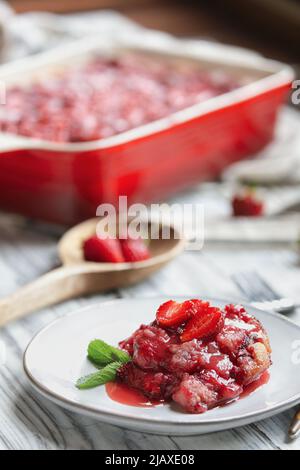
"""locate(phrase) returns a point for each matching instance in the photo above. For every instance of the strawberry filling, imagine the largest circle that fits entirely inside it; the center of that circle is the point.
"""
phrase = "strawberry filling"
(197, 355)
(105, 97)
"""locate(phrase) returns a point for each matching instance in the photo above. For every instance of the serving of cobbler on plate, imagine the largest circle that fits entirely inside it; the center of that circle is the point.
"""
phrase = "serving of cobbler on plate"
(194, 355)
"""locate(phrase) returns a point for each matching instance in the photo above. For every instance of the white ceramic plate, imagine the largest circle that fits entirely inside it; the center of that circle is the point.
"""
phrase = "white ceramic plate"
(56, 357)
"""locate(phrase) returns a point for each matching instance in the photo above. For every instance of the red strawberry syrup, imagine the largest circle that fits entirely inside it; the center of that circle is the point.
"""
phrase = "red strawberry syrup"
(121, 393)
(125, 395)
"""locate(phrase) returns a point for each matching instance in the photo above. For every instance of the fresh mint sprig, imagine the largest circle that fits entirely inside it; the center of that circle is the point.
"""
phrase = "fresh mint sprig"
(101, 377)
(107, 359)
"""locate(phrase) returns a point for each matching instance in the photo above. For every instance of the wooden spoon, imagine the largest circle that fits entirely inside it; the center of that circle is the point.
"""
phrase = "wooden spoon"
(77, 277)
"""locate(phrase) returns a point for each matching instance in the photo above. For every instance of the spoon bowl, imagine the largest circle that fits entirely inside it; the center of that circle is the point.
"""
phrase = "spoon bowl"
(115, 275)
(77, 277)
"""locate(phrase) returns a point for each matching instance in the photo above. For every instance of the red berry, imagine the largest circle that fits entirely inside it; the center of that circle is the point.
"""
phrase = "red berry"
(134, 250)
(173, 313)
(247, 205)
(206, 322)
(103, 250)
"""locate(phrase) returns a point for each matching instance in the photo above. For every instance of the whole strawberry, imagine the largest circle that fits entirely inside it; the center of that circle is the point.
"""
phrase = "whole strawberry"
(247, 204)
(103, 250)
(134, 250)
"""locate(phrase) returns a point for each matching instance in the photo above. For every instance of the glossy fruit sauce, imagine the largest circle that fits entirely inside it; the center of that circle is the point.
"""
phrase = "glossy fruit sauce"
(122, 393)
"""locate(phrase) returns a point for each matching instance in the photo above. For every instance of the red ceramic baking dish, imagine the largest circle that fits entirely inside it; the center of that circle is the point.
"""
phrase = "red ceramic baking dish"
(65, 182)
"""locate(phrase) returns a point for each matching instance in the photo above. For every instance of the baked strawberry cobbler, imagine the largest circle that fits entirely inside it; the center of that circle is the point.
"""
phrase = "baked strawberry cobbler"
(195, 354)
(104, 97)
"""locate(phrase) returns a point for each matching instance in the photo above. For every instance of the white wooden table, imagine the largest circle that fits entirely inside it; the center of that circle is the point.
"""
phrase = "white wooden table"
(29, 422)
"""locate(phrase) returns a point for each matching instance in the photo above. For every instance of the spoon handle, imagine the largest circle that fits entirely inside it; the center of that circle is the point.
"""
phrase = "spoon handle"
(294, 430)
(56, 286)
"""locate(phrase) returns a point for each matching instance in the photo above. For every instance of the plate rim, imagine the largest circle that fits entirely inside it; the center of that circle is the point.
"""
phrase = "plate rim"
(95, 411)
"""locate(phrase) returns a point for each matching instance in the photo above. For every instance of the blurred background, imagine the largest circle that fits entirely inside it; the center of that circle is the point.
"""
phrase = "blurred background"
(271, 27)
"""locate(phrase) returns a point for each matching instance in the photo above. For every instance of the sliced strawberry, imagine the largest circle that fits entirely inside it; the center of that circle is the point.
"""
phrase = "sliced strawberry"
(173, 313)
(103, 250)
(206, 322)
(134, 250)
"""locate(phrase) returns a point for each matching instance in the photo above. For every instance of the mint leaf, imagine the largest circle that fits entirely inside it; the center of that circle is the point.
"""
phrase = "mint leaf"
(107, 359)
(101, 353)
(101, 377)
